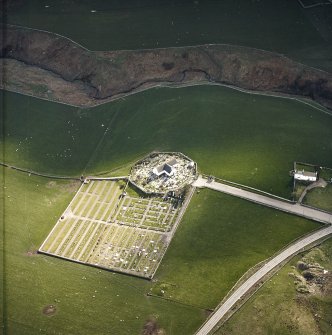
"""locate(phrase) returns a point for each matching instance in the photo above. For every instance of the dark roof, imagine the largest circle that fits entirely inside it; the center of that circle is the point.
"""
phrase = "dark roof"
(167, 168)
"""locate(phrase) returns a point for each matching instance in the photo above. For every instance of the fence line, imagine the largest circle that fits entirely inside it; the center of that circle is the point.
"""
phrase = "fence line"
(245, 187)
(31, 172)
(165, 85)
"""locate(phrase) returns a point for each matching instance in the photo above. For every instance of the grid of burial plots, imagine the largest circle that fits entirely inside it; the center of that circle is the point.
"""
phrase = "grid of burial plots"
(106, 227)
(146, 213)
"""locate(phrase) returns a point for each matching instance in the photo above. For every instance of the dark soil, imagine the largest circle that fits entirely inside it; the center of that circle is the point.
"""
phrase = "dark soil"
(98, 76)
(151, 327)
(49, 310)
(31, 253)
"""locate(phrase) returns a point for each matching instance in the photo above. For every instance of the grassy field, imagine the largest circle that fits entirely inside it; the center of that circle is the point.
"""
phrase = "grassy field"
(236, 136)
(210, 248)
(278, 309)
(153, 24)
(248, 139)
(219, 239)
(229, 134)
(88, 300)
(320, 198)
(49, 137)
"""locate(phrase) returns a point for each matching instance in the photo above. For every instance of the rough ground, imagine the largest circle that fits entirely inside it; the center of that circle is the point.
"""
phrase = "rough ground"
(297, 300)
(47, 65)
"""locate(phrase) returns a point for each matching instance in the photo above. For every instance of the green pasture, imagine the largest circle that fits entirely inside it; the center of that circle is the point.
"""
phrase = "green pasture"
(278, 309)
(320, 198)
(151, 24)
(249, 139)
(50, 137)
(244, 138)
(88, 300)
(326, 173)
(219, 239)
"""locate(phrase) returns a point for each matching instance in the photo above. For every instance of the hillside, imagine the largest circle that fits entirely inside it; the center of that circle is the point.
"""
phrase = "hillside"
(50, 66)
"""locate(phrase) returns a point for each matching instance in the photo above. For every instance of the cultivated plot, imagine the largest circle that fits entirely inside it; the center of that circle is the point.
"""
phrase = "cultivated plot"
(105, 227)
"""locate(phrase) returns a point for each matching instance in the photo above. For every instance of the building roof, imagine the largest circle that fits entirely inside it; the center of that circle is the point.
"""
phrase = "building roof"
(165, 167)
(172, 162)
(306, 173)
(168, 168)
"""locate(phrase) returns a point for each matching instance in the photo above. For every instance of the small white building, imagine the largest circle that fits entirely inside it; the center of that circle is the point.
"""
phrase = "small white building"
(305, 175)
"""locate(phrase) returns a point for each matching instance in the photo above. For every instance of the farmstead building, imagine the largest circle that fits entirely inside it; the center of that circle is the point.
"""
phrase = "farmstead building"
(305, 176)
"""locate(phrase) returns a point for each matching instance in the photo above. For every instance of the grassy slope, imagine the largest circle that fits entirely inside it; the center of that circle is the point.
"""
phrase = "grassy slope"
(221, 146)
(35, 281)
(248, 139)
(320, 198)
(275, 309)
(49, 137)
(219, 239)
(151, 24)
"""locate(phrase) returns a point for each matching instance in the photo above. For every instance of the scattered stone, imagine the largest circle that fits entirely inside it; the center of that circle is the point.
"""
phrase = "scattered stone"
(302, 266)
(49, 310)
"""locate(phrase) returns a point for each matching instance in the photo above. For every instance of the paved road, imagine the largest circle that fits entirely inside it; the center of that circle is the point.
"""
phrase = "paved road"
(284, 255)
(264, 200)
(257, 276)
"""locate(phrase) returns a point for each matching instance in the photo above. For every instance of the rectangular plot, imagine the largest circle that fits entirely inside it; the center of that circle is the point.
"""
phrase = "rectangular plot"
(112, 195)
(58, 248)
(92, 244)
(109, 188)
(94, 185)
(103, 228)
(89, 206)
(68, 239)
(81, 240)
(82, 204)
(56, 230)
(59, 235)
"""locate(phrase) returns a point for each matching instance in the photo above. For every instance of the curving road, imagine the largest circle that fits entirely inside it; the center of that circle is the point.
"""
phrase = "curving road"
(293, 249)
(257, 276)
